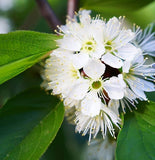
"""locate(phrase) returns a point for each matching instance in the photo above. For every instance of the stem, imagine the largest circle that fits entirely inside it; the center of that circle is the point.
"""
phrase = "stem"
(72, 7)
(48, 13)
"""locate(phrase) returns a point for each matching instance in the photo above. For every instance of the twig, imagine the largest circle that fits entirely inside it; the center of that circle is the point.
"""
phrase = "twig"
(48, 13)
(72, 7)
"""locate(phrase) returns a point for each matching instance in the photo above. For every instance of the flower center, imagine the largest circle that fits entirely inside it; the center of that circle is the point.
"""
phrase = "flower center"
(108, 46)
(89, 46)
(96, 84)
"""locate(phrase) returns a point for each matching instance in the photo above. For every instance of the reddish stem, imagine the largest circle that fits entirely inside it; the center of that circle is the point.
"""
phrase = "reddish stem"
(72, 7)
(48, 13)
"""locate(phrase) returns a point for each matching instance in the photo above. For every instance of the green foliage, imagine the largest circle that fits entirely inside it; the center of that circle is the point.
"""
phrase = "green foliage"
(66, 135)
(21, 49)
(148, 13)
(151, 96)
(28, 79)
(133, 11)
(30, 121)
(115, 6)
(137, 137)
(28, 124)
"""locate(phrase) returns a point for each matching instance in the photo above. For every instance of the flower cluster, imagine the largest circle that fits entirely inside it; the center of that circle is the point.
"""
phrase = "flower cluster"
(98, 68)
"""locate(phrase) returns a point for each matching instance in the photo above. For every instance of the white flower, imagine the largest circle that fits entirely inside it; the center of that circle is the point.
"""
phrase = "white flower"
(85, 37)
(60, 72)
(98, 68)
(102, 121)
(93, 71)
(94, 89)
(146, 40)
(139, 76)
(86, 90)
(117, 41)
(129, 98)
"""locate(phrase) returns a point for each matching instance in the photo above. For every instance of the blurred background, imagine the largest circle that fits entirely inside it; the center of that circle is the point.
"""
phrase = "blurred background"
(24, 15)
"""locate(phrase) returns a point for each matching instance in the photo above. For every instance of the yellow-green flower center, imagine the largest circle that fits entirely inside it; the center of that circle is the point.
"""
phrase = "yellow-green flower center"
(96, 84)
(108, 46)
(89, 46)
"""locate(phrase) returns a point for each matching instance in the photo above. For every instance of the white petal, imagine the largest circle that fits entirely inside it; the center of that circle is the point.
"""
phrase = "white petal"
(139, 92)
(114, 106)
(97, 28)
(79, 90)
(115, 87)
(91, 104)
(95, 31)
(147, 86)
(123, 38)
(73, 28)
(138, 86)
(62, 53)
(149, 46)
(100, 50)
(142, 84)
(64, 29)
(80, 60)
(68, 102)
(121, 81)
(69, 43)
(147, 70)
(128, 52)
(130, 95)
(112, 60)
(112, 28)
(126, 66)
(85, 16)
(139, 59)
(94, 69)
(113, 116)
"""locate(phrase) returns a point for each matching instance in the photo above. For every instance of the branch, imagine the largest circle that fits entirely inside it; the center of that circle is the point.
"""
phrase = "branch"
(72, 7)
(48, 13)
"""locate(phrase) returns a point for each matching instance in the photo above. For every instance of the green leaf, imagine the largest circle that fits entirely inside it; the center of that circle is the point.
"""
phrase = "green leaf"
(21, 49)
(28, 124)
(148, 13)
(108, 6)
(137, 137)
(151, 96)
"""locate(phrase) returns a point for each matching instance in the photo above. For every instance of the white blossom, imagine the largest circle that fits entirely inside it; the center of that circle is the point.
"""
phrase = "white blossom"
(117, 41)
(102, 121)
(146, 40)
(139, 76)
(98, 68)
(85, 37)
(60, 73)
